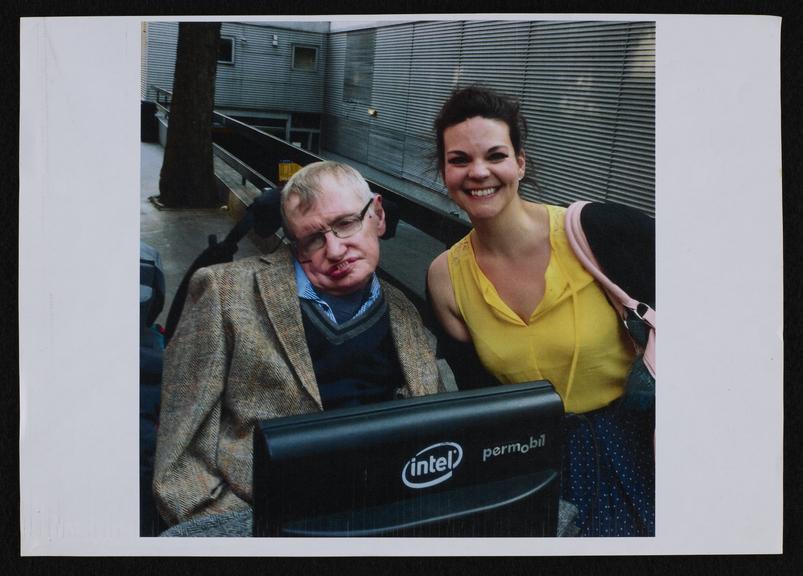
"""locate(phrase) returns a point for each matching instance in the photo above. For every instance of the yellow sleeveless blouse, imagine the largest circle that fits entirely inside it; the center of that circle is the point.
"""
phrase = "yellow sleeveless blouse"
(573, 338)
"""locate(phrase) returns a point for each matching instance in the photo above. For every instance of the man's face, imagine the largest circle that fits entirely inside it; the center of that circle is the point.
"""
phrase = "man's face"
(342, 265)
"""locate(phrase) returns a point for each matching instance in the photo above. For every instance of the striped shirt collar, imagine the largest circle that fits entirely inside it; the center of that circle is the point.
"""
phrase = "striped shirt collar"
(307, 292)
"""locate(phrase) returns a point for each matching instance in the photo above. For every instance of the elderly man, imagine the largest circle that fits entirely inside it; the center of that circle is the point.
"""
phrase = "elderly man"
(308, 327)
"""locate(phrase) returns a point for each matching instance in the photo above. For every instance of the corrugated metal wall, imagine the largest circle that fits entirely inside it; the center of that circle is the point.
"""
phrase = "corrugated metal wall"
(587, 90)
(161, 50)
(590, 101)
(392, 77)
(261, 78)
(143, 65)
(346, 123)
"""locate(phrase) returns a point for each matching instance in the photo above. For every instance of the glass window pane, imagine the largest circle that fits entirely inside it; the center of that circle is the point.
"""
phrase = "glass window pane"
(225, 52)
(305, 58)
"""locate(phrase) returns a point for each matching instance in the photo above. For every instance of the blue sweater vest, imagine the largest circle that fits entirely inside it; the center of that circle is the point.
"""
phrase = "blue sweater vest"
(354, 362)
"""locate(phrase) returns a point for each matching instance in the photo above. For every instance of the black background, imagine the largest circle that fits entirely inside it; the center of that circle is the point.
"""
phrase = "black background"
(791, 66)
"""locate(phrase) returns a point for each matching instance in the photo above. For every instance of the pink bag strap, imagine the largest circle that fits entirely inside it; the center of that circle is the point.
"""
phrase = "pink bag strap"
(620, 299)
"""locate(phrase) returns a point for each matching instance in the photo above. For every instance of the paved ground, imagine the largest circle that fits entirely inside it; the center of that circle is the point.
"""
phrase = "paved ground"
(181, 235)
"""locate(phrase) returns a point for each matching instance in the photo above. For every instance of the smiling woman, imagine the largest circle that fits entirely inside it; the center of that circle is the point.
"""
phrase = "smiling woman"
(482, 168)
(514, 289)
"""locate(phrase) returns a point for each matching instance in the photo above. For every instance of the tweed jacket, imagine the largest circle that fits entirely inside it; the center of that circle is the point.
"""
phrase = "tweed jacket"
(239, 355)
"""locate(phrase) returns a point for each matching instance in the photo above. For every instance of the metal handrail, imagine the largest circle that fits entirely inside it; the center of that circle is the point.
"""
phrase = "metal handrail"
(242, 168)
(168, 97)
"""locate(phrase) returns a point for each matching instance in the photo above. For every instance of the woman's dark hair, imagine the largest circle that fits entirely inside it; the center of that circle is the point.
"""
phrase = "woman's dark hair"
(475, 100)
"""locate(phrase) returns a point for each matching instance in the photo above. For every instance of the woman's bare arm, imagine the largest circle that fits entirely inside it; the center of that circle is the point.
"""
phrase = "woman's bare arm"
(439, 285)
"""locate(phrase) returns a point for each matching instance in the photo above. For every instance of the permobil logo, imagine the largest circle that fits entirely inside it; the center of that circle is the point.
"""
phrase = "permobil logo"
(432, 465)
(514, 447)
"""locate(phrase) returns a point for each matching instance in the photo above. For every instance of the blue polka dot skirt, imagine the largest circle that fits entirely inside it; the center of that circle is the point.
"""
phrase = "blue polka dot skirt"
(609, 471)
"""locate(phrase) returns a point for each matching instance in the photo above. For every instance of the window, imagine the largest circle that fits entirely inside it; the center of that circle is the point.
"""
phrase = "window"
(358, 76)
(225, 50)
(305, 58)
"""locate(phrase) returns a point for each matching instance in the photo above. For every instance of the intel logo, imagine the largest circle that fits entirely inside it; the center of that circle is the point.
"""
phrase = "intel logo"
(432, 465)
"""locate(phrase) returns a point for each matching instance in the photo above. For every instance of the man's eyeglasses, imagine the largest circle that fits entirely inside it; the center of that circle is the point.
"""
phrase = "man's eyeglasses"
(343, 228)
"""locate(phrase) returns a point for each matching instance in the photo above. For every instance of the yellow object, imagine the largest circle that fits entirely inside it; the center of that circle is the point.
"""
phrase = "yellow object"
(574, 338)
(286, 170)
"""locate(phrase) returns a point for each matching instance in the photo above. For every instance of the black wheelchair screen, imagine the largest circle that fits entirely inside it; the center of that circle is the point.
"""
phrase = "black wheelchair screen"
(480, 462)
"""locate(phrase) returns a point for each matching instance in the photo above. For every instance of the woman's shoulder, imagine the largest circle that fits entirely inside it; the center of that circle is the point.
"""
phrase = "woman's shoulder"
(438, 275)
(622, 239)
(461, 247)
(604, 215)
(608, 224)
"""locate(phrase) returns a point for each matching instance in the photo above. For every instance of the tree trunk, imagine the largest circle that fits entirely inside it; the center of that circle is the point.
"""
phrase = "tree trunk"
(187, 179)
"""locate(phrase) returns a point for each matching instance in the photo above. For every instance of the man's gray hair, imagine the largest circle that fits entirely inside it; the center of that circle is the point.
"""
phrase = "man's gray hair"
(305, 184)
